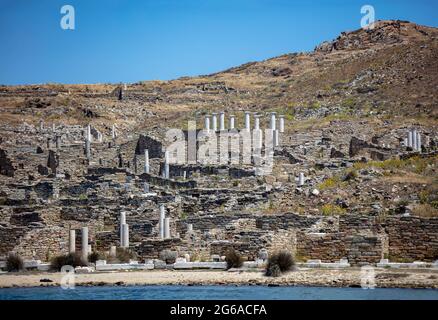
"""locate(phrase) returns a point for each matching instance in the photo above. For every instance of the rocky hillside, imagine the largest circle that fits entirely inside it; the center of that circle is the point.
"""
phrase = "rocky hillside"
(348, 105)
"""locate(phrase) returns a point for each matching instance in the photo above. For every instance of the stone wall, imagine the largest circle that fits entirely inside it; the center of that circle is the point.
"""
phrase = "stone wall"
(412, 238)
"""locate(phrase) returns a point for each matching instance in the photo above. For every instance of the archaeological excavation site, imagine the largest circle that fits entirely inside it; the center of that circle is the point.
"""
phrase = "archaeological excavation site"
(329, 155)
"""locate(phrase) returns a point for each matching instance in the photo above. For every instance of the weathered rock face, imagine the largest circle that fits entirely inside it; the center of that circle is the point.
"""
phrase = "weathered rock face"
(6, 167)
(154, 147)
(356, 146)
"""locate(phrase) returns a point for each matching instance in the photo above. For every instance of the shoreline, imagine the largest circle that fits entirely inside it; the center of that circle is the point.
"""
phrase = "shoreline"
(384, 278)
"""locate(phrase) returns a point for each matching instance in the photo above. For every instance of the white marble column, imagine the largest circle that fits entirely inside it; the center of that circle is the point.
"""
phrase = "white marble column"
(113, 132)
(207, 123)
(281, 123)
(72, 241)
(273, 121)
(232, 118)
(419, 141)
(301, 179)
(410, 138)
(166, 165)
(146, 161)
(247, 121)
(222, 121)
(414, 139)
(85, 243)
(161, 221)
(125, 235)
(113, 251)
(167, 228)
(121, 223)
(214, 121)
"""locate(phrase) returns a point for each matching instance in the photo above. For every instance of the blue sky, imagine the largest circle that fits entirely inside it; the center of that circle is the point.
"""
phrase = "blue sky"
(129, 41)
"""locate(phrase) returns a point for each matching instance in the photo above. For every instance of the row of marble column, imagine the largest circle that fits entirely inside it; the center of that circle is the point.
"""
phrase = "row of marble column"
(413, 140)
(85, 247)
(212, 125)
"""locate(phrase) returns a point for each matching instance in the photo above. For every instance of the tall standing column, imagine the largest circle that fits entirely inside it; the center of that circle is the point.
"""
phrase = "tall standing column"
(232, 117)
(257, 134)
(301, 179)
(247, 121)
(207, 123)
(121, 223)
(166, 165)
(214, 121)
(166, 228)
(88, 149)
(272, 124)
(161, 221)
(414, 139)
(113, 132)
(72, 241)
(222, 121)
(281, 123)
(85, 243)
(146, 161)
(125, 233)
(89, 138)
(410, 138)
(418, 141)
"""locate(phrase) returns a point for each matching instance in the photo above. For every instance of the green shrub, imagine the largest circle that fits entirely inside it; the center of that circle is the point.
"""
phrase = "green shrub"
(233, 259)
(332, 210)
(124, 255)
(94, 256)
(169, 256)
(14, 263)
(279, 262)
(71, 259)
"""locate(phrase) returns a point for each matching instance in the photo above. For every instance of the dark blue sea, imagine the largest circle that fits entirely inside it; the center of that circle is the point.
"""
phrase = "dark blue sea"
(171, 292)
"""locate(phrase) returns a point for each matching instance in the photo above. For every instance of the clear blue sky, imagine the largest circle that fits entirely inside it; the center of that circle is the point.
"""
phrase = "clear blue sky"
(129, 41)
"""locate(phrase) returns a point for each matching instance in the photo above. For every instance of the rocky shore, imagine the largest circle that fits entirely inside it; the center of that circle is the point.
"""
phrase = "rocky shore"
(384, 278)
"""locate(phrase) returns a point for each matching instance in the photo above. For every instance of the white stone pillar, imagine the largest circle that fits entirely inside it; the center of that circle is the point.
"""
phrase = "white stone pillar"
(125, 234)
(113, 251)
(410, 139)
(207, 123)
(214, 121)
(222, 121)
(167, 228)
(256, 122)
(121, 223)
(419, 141)
(232, 126)
(89, 138)
(414, 139)
(113, 132)
(301, 179)
(161, 221)
(281, 123)
(184, 175)
(87, 148)
(166, 165)
(72, 241)
(146, 161)
(276, 138)
(272, 124)
(85, 243)
(247, 121)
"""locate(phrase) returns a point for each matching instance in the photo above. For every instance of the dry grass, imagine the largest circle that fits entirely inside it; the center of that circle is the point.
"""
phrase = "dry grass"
(425, 210)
